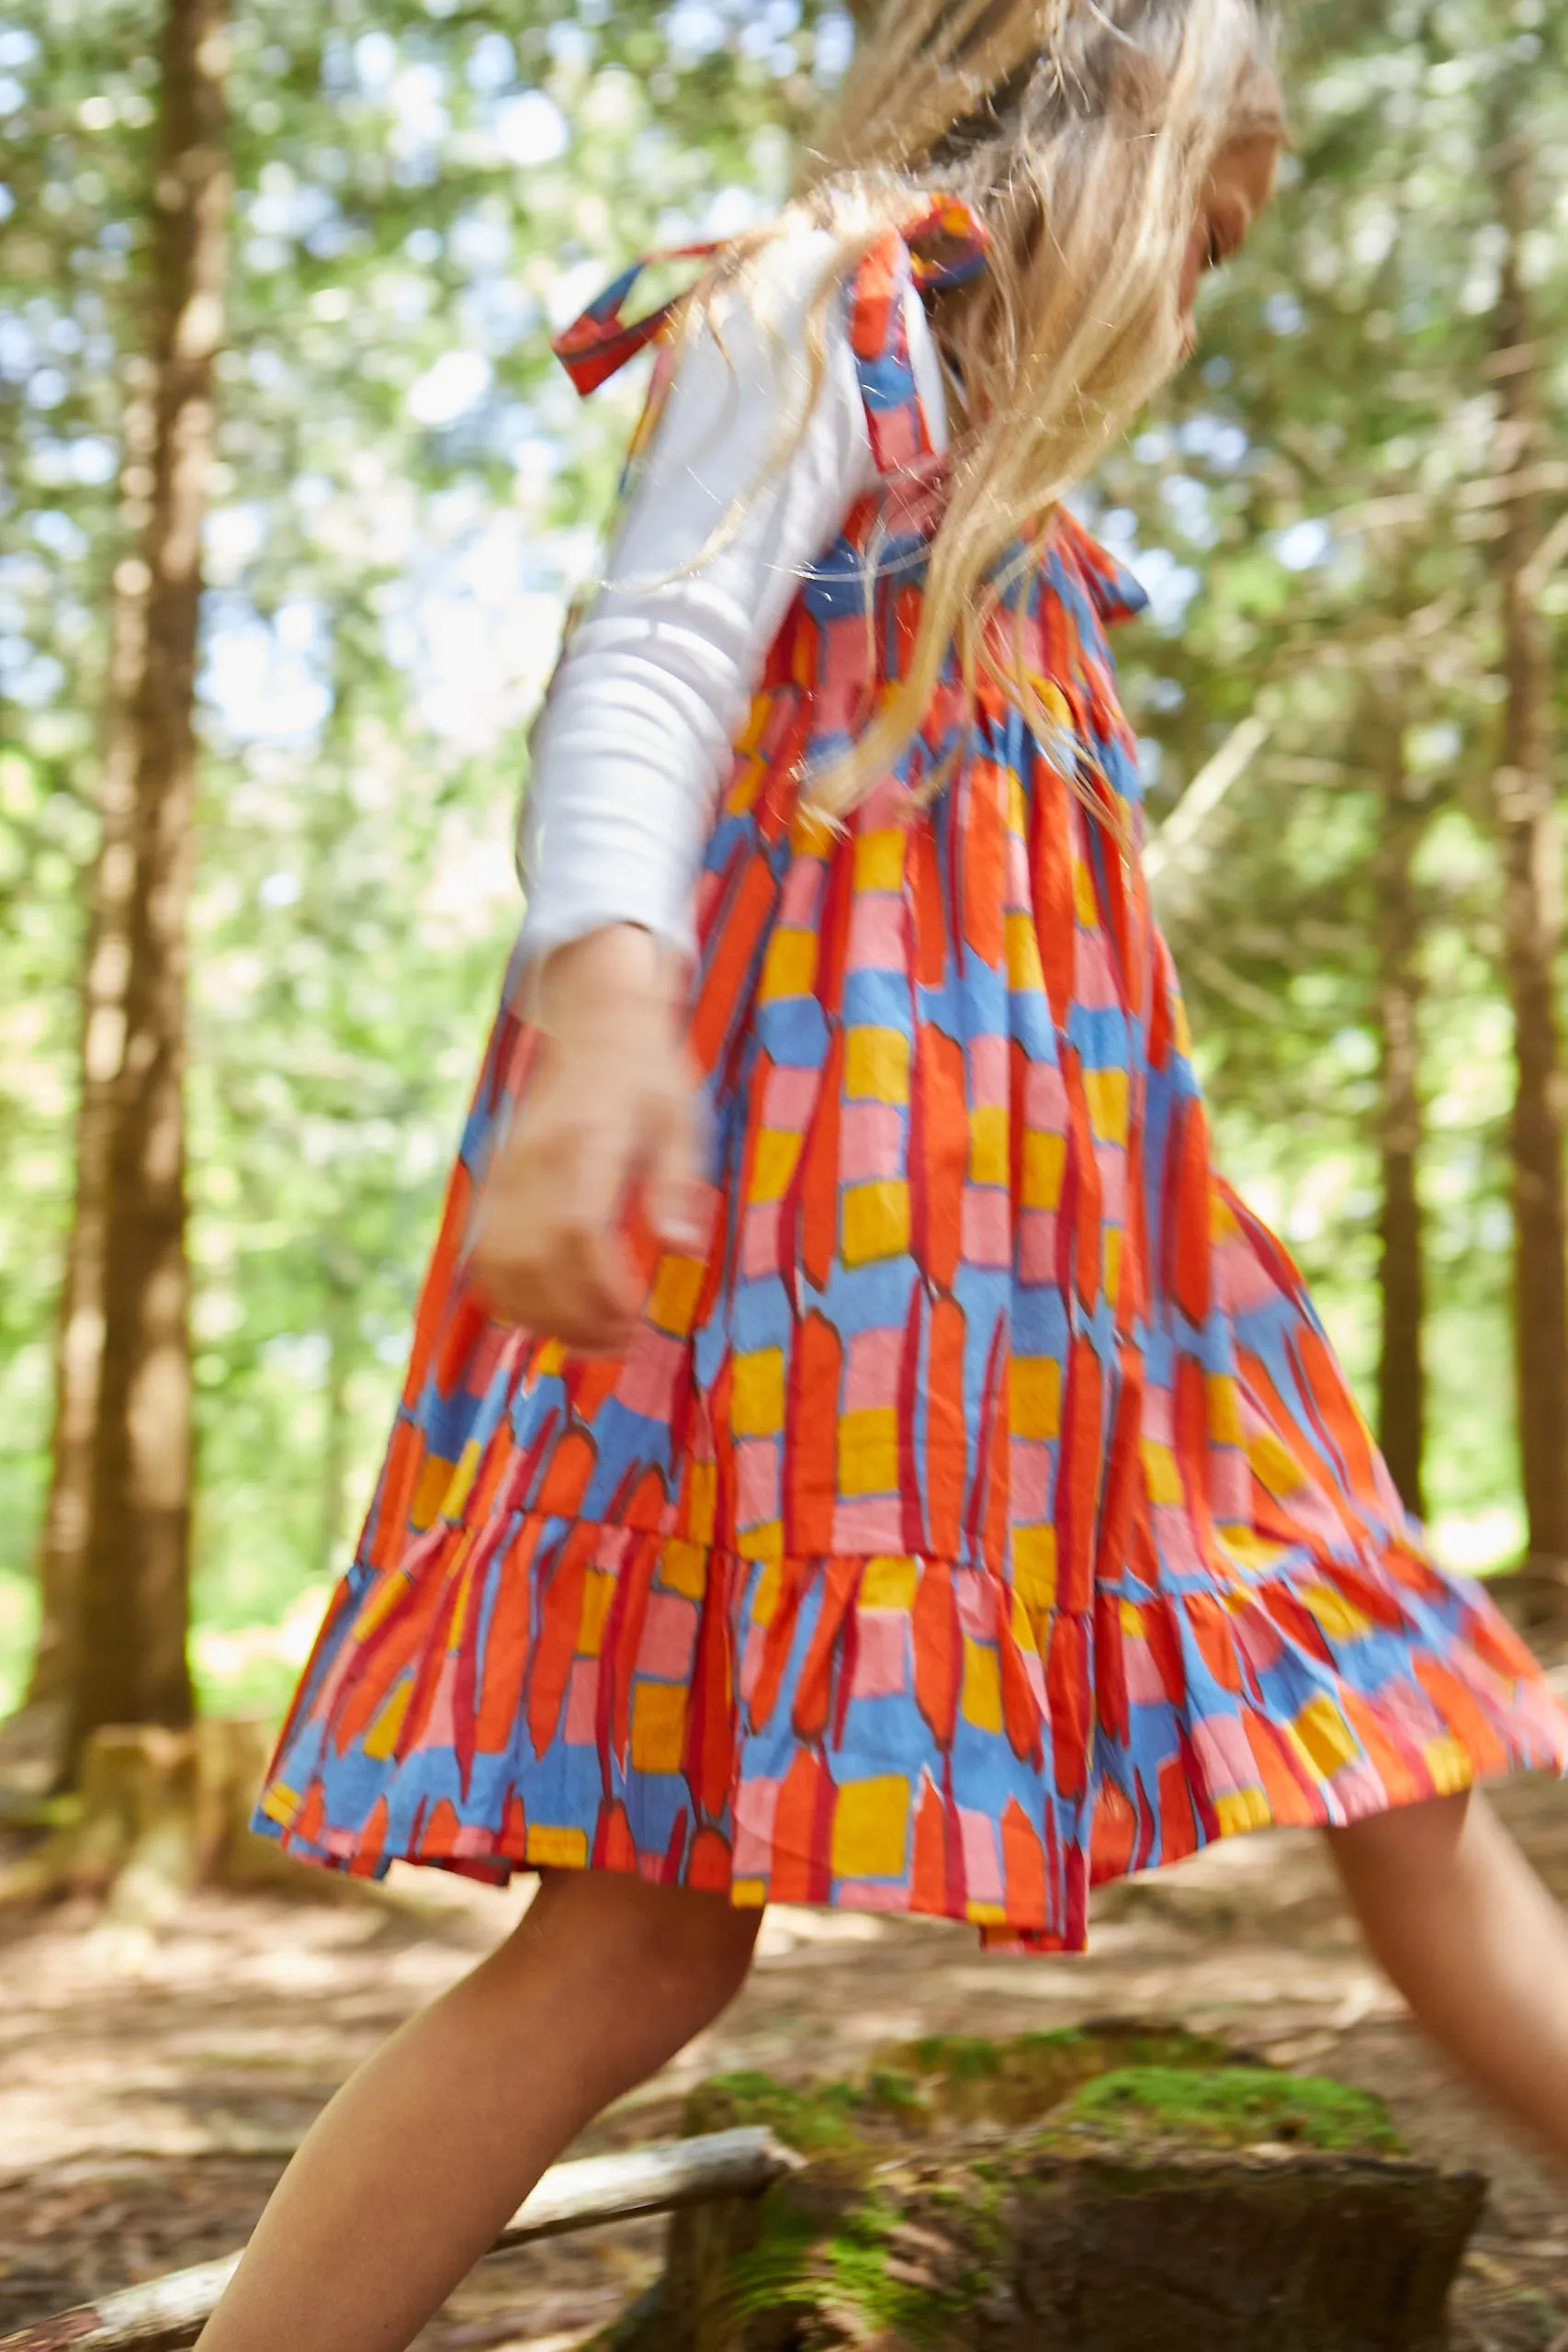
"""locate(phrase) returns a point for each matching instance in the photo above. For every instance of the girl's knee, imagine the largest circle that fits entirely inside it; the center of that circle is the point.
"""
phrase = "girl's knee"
(669, 1945)
(1411, 1840)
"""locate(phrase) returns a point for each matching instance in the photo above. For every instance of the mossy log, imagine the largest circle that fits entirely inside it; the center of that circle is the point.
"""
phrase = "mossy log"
(1164, 2205)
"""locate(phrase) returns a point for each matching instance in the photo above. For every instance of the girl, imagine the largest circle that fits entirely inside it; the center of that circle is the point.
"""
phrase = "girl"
(855, 1450)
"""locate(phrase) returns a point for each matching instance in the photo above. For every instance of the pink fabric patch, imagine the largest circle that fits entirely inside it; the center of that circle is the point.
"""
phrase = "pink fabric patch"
(1094, 974)
(652, 1373)
(1230, 1483)
(790, 1099)
(878, 932)
(874, 1524)
(802, 893)
(756, 1481)
(582, 1703)
(1037, 1245)
(1046, 1099)
(875, 1893)
(1242, 1283)
(871, 1379)
(871, 1142)
(760, 1240)
(976, 1597)
(1257, 1638)
(1029, 1464)
(882, 1641)
(1112, 1164)
(990, 1084)
(756, 1809)
(1159, 1414)
(1144, 1686)
(669, 1637)
(1225, 1754)
(982, 1863)
(988, 1225)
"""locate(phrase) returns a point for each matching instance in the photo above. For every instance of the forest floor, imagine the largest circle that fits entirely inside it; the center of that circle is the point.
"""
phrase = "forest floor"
(153, 2087)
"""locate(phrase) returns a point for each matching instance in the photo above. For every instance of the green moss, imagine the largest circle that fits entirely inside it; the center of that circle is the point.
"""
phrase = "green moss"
(841, 2268)
(969, 2079)
(1231, 2107)
(814, 2121)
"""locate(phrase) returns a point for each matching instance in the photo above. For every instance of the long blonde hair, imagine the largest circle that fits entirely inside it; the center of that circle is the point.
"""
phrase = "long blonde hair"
(1082, 133)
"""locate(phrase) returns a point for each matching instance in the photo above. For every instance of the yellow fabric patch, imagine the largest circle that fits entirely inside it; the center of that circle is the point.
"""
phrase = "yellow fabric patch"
(764, 1541)
(702, 1501)
(748, 1894)
(1085, 905)
(677, 1288)
(1160, 1472)
(812, 833)
(1225, 1409)
(982, 1698)
(1340, 1620)
(281, 1804)
(1022, 1624)
(871, 1827)
(1246, 1809)
(1327, 1737)
(1105, 1091)
(1044, 1165)
(1278, 1469)
(790, 968)
(879, 858)
(868, 1452)
(551, 1359)
(1248, 1548)
(683, 1568)
(435, 1478)
(1034, 1567)
(382, 1736)
(659, 1727)
(986, 1914)
(1131, 1617)
(1450, 1764)
(1026, 973)
(462, 1484)
(1035, 1397)
(778, 1157)
(555, 1849)
(598, 1592)
(989, 1144)
(888, 1584)
(1053, 701)
(876, 1065)
(1181, 1029)
(765, 1599)
(756, 1397)
(1111, 1266)
(875, 1222)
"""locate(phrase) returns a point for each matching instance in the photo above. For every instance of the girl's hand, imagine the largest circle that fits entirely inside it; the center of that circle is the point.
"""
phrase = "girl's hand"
(610, 1118)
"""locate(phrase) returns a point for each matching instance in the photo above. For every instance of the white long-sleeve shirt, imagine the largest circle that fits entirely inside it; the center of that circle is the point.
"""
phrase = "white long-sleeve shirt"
(636, 738)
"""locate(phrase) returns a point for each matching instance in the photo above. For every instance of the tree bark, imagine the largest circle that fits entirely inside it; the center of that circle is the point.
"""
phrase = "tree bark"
(79, 1332)
(1402, 1393)
(130, 1665)
(1528, 837)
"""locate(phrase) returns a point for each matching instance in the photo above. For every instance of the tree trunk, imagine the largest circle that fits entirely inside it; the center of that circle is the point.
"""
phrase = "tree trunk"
(79, 1333)
(1402, 1395)
(1528, 837)
(130, 1666)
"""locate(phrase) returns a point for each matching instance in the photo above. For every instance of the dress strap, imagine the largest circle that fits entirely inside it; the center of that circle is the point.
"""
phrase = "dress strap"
(942, 246)
(598, 345)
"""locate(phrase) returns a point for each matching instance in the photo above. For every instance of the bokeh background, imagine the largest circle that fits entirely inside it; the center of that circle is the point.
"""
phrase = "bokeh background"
(1348, 515)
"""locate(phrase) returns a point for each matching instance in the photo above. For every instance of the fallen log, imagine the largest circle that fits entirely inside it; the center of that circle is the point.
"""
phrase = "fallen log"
(167, 2314)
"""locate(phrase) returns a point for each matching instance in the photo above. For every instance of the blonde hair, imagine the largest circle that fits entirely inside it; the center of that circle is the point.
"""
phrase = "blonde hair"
(1082, 134)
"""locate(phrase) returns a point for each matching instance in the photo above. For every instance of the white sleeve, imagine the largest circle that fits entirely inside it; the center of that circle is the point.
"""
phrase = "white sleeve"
(636, 735)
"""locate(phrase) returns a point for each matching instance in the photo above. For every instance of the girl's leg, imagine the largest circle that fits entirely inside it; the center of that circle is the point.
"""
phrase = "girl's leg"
(411, 2173)
(1474, 1942)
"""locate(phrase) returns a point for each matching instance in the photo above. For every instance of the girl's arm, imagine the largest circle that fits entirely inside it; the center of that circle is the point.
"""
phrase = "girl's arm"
(632, 749)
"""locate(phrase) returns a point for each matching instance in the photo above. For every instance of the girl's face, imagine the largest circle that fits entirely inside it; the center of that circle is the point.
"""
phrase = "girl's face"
(1239, 186)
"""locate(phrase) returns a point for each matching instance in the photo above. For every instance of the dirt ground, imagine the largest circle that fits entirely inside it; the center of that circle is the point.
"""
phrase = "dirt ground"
(151, 2088)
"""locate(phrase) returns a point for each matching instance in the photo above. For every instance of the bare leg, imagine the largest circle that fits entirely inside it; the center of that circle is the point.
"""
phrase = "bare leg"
(1476, 1945)
(411, 2173)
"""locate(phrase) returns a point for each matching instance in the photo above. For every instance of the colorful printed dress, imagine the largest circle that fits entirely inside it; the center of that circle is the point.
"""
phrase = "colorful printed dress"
(983, 1514)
